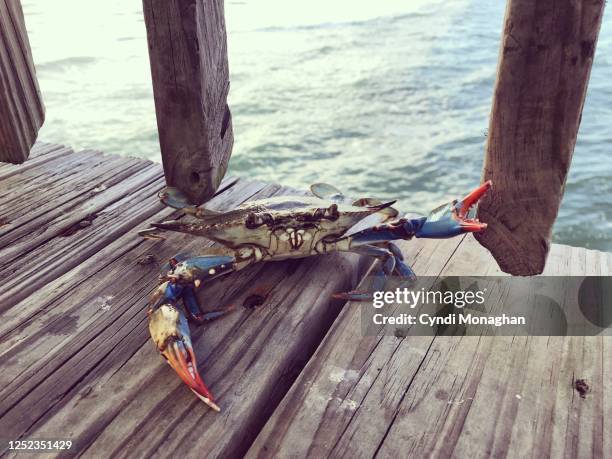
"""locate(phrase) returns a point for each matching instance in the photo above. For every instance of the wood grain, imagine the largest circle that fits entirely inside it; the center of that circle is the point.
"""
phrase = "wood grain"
(70, 313)
(38, 150)
(545, 60)
(188, 54)
(37, 198)
(76, 355)
(347, 369)
(449, 396)
(294, 376)
(22, 112)
(508, 396)
(10, 170)
(45, 252)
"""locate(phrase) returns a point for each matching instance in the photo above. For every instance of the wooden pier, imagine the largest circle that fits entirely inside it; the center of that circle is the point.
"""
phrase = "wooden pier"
(293, 375)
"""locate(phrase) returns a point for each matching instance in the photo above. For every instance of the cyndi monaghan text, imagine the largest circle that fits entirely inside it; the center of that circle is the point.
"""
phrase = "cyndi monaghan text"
(451, 319)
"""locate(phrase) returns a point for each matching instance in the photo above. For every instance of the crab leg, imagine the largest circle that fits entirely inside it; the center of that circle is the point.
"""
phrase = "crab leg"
(170, 333)
(195, 314)
(168, 325)
(401, 268)
(446, 221)
(391, 261)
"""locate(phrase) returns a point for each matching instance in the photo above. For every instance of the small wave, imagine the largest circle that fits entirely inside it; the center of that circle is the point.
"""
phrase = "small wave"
(63, 64)
(320, 26)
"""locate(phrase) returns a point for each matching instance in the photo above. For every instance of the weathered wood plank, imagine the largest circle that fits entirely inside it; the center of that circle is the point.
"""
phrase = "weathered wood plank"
(316, 412)
(112, 190)
(39, 149)
(19, 185)
(50, 339)
(24, 194)
(9, 170)
(29, 205)
(64, 243)
(447, 396)
(96, 373)
(504, 394)
(22, 112)
(545, 60)
(188, 54)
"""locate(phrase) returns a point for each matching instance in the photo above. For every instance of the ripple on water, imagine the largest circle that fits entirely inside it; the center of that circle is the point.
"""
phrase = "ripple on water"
(388, 98)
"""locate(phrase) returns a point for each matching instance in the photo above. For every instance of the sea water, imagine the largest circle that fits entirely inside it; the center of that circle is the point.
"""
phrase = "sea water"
(388, 98)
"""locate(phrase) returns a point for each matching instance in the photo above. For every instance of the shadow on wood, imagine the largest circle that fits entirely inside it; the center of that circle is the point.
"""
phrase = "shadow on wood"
(545, 60)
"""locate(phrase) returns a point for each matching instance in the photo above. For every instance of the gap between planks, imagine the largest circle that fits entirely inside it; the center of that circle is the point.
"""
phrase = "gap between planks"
(414, 396)
(76, 340)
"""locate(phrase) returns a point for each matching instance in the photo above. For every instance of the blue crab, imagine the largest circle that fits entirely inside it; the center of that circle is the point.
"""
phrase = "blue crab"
(281, 228)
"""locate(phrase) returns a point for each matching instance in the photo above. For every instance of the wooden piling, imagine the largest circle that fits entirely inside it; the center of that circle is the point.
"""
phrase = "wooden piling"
(188, 54)
(22, 112)
(545, 60)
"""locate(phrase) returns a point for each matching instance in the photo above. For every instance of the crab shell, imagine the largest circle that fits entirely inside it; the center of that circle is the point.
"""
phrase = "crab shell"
(286, 226)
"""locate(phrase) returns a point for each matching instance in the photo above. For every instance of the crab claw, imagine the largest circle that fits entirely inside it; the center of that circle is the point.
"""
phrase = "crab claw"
(170, 333)
(465, 205)
(453, 218)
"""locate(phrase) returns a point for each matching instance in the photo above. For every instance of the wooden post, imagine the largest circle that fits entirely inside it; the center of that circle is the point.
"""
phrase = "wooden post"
(545, 60)
(188, 54)
(22, 112)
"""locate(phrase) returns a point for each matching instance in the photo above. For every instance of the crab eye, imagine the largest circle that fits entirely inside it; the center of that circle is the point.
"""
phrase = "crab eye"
(332, 212)
(252, 221)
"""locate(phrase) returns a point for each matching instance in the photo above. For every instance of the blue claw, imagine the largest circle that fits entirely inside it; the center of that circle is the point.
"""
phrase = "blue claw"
(168, 325)
(170, 333)
(444, 227)
(452, 219)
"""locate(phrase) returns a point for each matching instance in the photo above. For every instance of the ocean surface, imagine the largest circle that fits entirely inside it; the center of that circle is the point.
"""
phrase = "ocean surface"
(388, 98)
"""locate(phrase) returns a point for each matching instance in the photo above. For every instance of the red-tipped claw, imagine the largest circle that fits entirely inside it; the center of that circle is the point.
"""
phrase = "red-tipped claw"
(465, 205)
(452, 219)
(170, 333)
